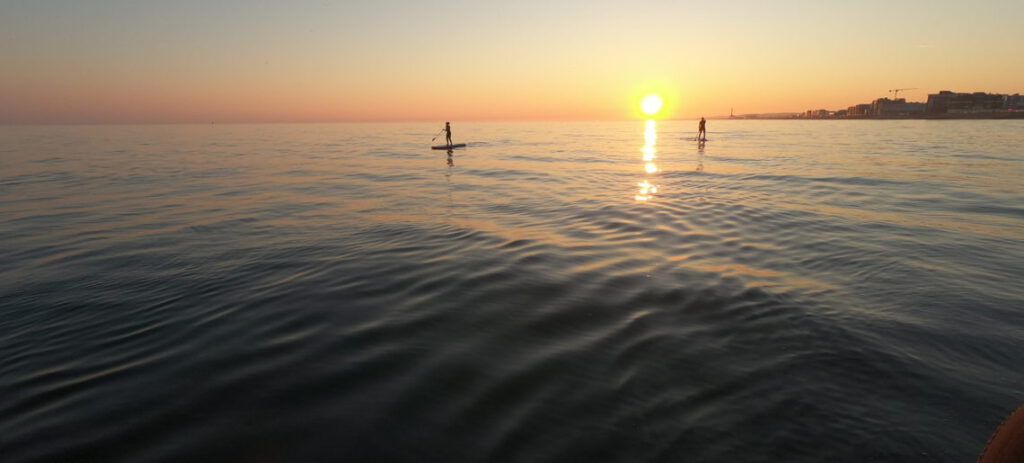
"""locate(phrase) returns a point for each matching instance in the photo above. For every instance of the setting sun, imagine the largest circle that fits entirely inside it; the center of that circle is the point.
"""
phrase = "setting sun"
(651, 104)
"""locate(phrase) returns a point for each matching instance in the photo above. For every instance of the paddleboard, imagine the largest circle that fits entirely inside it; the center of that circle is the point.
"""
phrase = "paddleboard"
(448, 147)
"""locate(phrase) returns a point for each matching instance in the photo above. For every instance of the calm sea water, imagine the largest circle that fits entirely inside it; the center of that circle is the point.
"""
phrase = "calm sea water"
(789, 291)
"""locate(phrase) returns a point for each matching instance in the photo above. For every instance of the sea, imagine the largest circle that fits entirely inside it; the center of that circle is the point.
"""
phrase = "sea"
(787, 291)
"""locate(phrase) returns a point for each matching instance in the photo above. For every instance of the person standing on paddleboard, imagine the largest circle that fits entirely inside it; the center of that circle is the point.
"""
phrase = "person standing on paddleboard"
(448, 132)
(702, 134)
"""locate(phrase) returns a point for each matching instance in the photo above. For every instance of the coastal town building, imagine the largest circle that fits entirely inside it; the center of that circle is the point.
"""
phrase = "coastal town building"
(861, 110)
(946, 102)
(884, 107)
(1013, 102)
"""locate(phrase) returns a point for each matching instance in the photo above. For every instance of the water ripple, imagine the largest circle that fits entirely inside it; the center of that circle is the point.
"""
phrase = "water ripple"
(295, 293)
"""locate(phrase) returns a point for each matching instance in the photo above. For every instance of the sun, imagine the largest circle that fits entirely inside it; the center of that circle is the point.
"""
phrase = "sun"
(651, 104)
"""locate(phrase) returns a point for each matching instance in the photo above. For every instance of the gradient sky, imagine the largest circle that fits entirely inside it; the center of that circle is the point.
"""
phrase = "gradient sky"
(326, 60)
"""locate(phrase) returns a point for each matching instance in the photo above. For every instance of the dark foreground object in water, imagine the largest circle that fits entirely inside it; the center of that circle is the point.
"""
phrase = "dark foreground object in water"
(1007, 444)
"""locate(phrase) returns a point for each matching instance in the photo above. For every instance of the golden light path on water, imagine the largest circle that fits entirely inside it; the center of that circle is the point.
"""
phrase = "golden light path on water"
(645, 189)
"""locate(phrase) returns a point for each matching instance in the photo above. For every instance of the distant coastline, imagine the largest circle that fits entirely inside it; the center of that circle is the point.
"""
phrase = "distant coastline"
(942, 105)
(946, 116)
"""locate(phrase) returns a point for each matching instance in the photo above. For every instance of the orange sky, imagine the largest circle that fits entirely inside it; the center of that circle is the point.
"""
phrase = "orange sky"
(114, 61)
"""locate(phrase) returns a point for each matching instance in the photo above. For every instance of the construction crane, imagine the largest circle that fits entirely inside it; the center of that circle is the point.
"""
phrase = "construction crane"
(896, 92)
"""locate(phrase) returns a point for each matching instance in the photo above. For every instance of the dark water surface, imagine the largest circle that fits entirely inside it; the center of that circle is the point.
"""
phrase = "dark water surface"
(789, 291)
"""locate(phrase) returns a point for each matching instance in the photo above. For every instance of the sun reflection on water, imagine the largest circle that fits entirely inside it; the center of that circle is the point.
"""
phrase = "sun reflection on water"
(645, 189)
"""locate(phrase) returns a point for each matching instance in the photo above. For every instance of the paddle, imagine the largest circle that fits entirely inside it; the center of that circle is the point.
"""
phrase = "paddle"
(438, 135)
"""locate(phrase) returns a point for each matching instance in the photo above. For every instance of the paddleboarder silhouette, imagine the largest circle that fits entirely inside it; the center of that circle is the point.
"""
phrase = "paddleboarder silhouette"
(448, 132)
(702, 134)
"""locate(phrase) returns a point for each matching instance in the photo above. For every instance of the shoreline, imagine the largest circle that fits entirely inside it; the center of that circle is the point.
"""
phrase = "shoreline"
(997, 115)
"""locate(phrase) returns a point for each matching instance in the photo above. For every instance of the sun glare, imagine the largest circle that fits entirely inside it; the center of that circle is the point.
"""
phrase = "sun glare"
(651, 104)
